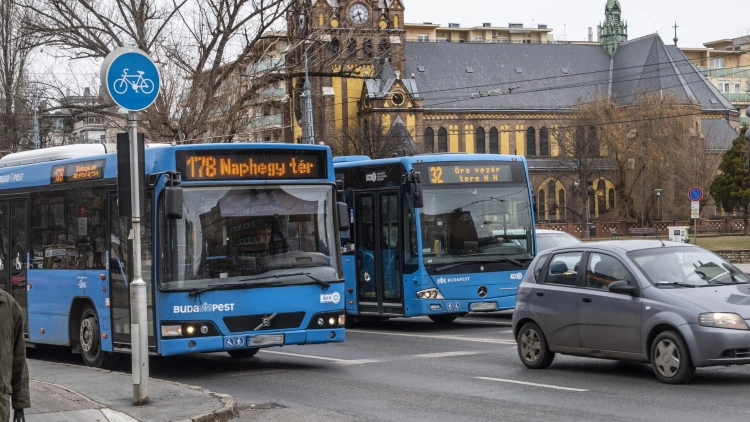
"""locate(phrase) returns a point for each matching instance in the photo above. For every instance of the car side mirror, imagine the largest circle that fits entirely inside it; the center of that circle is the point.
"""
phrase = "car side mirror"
(343, 214)
(173, 203)
(623, 287)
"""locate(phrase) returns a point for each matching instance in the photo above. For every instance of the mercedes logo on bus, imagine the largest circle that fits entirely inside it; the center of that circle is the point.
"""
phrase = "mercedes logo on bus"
(482, 291)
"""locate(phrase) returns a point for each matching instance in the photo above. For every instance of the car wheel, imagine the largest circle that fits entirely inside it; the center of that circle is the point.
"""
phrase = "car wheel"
(443, 318)
(89, 336)
(243, 353)
(532, 347)
(670, 359)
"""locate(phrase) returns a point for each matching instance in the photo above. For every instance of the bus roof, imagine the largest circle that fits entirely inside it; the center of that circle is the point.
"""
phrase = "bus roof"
(343, 162)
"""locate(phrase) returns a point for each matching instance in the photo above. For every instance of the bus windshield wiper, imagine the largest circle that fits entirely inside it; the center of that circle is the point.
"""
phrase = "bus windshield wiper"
(456, 264)
(232, 286)
(315, 279)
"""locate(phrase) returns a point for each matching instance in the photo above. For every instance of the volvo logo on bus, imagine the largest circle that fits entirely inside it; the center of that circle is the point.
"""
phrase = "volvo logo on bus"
(266, 321)
(482, 291)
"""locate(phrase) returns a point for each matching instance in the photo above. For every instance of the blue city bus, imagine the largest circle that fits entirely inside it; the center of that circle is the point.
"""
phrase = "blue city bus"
(437, 234)
(240, 249)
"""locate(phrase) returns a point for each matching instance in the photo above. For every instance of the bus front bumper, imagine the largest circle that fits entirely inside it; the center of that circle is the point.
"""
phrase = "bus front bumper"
(433, 306)
(178, 346)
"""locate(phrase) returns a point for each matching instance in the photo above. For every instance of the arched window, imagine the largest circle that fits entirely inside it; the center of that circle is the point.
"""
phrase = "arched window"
(335, 46)
(580, 142)
(611, 198)
(561, 204)
(385, 48)
(544, 142)
(479, 141)
(395, 21)
(601, 198)
(351, 47)
(494, 147)
(542, 200)
(442, 140)
(429, 140)
(593, 142)
(530, 142)
(367, 48)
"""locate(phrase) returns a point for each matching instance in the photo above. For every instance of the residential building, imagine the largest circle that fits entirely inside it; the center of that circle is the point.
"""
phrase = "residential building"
(726, 64)
(487, 33)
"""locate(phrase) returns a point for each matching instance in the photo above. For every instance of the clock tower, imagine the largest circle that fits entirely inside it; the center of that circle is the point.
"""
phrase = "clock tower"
(351, 42)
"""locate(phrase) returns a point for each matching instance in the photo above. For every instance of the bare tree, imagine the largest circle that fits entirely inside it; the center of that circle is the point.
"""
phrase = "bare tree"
(16, 97)
(369, 137)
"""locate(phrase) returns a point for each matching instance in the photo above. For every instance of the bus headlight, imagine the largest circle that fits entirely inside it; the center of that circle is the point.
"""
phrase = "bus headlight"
(327, 320)
(171, 329)
(430, 294)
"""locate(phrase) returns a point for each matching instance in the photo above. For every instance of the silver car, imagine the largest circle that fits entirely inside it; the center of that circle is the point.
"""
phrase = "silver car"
(673, 305)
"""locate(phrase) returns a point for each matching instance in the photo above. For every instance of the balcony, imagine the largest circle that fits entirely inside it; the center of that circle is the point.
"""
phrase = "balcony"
(724, 72)
(264, 122)
(265, 65)
(745, 121)
(737, 97)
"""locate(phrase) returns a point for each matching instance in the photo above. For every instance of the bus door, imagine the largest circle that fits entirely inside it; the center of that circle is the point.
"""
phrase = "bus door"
(376, 224)
(13, 260)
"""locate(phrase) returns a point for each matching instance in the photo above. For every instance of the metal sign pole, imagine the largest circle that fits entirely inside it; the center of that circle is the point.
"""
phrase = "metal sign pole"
(138, 299)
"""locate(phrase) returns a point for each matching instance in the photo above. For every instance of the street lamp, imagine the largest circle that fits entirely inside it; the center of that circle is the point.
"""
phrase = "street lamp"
(658, 203)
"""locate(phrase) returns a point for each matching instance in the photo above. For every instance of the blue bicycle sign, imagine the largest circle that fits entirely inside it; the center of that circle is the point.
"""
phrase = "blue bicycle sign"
(130, 78)
(136, 82)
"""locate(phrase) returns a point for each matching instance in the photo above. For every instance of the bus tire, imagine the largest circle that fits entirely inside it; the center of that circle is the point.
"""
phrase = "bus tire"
(89, 337)
(443, 318)
(243, 353)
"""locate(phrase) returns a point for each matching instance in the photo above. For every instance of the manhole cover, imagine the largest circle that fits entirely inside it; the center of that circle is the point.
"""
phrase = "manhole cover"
(260, 406)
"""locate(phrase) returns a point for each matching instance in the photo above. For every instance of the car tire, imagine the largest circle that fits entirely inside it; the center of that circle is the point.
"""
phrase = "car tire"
(243, 353)
(532, 347)
(443, 318)
(670, 359)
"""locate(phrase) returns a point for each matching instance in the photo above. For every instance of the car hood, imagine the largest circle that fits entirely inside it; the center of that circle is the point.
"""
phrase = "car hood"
(719, 298)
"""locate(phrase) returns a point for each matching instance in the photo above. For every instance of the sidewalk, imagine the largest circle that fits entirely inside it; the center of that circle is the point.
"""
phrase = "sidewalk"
(63, 392)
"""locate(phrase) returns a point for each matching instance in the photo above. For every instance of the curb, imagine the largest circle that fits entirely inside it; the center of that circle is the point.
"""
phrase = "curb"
(228, 411)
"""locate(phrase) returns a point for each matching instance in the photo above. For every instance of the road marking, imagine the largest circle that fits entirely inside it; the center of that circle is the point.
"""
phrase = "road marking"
(334, 360)
(533, 384)
(247, 373)
(436, 336)
(443, 355)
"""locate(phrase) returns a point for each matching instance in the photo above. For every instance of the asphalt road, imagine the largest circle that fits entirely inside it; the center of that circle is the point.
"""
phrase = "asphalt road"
(415, 370)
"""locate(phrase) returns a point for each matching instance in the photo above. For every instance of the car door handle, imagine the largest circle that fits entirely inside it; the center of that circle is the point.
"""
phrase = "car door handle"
(587, 299)
(540, 293)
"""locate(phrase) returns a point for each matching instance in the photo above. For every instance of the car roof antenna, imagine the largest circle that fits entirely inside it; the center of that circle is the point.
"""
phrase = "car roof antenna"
(662, 242)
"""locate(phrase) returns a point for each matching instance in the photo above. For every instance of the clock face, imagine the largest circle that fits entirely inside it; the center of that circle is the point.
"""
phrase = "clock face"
(358, 13)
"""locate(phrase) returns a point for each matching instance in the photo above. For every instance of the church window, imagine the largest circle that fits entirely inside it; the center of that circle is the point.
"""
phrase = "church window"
(580, 142)
(429, 140)
(397, 98)
(351, 47)
(479, 141)
(367, 47)
(494, 147)
(335, 46)
(561, 207)
(395, 21)
(544, 142)
(600, 199)
(385, 48)
(530, 142)
(593, 142)
(611, 198)
(442, 140)
(542, 204)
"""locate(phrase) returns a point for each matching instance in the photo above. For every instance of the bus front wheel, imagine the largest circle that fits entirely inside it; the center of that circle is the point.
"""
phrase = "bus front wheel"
(243, 353)
(443, 318)
(89, 335)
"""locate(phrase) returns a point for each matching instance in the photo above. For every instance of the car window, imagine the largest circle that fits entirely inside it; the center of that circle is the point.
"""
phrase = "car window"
(551, 240)
(680, 267)
(540, 266)
(563, 268)
(602, 270)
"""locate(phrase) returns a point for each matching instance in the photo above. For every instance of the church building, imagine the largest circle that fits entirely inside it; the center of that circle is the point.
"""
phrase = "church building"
(495, 97)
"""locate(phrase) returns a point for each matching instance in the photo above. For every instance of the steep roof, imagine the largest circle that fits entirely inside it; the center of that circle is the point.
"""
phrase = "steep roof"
(717, 134)
(492, 76)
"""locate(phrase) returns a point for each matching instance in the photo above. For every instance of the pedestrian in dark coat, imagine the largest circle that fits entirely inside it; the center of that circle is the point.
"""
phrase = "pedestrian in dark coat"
(14, 373)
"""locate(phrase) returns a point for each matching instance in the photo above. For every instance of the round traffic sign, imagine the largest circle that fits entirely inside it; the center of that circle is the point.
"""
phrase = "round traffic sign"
(695, 194)
(131, 78)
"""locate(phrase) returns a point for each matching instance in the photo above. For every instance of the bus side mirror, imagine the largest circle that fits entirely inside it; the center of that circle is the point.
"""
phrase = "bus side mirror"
(343, 212)
(173, 203)
(413, 181)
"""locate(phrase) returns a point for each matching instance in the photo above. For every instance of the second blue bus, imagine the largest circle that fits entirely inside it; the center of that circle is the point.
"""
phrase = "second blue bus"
(435, 235)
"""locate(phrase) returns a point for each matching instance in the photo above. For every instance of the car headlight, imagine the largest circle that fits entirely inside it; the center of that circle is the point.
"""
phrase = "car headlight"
(722, 320)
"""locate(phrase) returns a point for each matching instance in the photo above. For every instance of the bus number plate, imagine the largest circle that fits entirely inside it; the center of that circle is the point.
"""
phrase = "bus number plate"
(266, 340)
(484, 306)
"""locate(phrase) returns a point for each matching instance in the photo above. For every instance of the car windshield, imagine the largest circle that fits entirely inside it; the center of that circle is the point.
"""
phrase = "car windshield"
(476, 224)
(239, 234)
(553, 240)
(686, 267)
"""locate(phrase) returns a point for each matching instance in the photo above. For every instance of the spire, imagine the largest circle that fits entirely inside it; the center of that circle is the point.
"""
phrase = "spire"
(613, 31)
(675, 33)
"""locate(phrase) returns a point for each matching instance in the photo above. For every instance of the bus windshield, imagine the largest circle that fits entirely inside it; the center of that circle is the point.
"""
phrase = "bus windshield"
(476, 223)
(245, 234)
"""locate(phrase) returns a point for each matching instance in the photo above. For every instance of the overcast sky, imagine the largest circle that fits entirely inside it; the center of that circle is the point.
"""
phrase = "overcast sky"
(698, 21)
